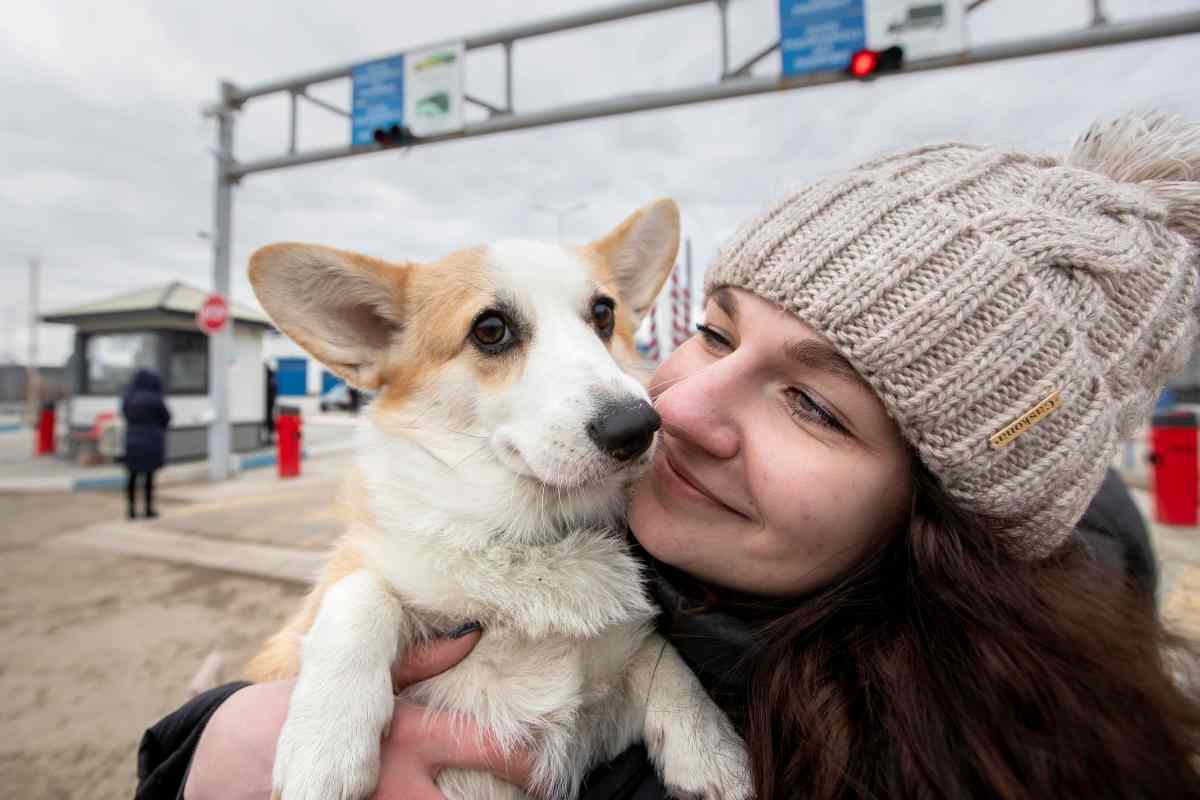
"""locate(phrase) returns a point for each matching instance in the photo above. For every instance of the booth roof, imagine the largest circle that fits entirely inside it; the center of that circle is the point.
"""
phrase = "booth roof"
(174, 297)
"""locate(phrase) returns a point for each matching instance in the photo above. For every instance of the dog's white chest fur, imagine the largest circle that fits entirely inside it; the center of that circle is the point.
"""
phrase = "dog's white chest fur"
(567, 667)
(566, 698)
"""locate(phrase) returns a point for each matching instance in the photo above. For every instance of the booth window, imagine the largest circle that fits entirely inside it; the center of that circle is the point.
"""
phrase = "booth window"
(179, 357)
(113, 358)
(187, 363)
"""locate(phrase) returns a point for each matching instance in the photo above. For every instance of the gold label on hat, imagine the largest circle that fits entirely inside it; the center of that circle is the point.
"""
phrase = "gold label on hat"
(1006, 435)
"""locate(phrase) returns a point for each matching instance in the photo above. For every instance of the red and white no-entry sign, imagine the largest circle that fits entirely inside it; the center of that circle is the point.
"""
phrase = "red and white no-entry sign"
(213, 314)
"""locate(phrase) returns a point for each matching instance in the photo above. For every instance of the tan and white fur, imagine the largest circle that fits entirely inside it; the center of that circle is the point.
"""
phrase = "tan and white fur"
(478, 494)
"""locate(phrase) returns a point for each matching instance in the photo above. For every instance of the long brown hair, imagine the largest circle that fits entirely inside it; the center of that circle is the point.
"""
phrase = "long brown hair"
(942, 667)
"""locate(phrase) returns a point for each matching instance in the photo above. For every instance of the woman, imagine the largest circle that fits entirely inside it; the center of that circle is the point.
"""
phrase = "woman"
(146, 422)
(906, 389)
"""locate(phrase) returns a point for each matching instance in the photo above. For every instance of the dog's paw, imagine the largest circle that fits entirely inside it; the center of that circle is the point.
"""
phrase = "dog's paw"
(700, 755)
(329, 746)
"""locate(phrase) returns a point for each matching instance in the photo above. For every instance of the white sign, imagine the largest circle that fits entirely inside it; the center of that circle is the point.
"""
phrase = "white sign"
(433, 90)
(924, 28)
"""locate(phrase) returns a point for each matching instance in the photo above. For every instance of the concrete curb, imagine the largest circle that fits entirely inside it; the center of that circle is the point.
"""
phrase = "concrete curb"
(146, 541)
(46, 484)
(169, 476)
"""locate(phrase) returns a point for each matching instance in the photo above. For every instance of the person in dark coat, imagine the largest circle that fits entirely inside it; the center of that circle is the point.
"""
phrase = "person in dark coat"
(272, 394)
(146, 420)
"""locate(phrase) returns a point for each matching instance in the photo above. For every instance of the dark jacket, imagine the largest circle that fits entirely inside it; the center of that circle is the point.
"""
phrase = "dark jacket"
(1113, 530)
(146, 421)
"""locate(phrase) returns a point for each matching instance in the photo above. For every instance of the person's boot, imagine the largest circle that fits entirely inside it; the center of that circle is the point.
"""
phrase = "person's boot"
(150, 512)
(130, 513)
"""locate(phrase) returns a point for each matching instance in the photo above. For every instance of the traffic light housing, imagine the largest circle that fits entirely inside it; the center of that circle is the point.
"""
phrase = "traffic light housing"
(866, 64)
(393, 135)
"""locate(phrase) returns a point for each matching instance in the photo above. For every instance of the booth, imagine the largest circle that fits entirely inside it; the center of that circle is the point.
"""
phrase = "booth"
(156, 328)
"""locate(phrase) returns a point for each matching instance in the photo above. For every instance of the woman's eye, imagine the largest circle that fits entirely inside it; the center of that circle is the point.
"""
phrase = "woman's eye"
(804, 407)
(603, 318)
(713, 337)
(491, 333)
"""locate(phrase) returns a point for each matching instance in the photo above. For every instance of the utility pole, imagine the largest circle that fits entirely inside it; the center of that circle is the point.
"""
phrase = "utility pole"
(32, 378)
(10, 324)
(220, 344)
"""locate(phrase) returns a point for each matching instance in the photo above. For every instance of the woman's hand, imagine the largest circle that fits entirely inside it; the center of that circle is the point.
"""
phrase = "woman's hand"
(236, 752)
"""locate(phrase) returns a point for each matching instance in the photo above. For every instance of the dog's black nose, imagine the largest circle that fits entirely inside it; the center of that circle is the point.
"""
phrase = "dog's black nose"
(624, 429)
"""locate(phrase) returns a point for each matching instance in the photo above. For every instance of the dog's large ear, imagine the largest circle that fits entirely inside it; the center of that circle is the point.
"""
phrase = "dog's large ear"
(640, 253)
(344, 308)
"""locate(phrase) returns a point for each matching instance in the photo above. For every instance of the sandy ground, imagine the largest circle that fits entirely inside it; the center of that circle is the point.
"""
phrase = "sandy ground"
(97, 646)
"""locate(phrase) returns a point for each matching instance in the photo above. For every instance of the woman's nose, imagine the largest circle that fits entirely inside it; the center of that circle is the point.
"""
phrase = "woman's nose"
(699, 409)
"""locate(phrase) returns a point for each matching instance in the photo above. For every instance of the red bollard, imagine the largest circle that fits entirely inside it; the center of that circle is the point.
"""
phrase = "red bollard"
(44, 445)
(1176, 471)
(288, 435)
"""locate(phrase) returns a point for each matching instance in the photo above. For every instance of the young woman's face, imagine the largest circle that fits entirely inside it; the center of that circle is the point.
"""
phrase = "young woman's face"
(777, 466)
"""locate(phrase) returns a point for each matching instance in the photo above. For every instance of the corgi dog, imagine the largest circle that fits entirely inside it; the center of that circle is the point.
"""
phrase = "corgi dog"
(490, 484)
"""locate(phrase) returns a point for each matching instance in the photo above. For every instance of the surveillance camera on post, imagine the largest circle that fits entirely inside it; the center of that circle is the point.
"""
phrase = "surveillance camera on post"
(393, 136)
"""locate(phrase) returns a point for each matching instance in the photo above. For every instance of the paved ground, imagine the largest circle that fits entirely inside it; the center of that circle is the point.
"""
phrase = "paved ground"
(105, 621)
(97, 643)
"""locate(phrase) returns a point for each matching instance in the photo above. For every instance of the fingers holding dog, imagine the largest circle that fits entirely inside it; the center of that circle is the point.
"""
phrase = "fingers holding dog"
(435, 656)
(423, 743)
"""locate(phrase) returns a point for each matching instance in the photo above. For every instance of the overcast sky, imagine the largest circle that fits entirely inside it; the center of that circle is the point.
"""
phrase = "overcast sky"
(106, 172)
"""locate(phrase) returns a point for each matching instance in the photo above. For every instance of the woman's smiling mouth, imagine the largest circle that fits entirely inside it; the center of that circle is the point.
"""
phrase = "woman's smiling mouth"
(682, 483)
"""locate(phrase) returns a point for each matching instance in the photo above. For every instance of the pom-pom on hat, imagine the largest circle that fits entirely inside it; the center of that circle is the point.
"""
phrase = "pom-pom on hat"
(1016, 313)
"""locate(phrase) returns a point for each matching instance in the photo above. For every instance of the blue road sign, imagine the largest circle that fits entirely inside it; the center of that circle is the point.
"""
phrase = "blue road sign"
(292, 377)
(378, 98)
(820, 35)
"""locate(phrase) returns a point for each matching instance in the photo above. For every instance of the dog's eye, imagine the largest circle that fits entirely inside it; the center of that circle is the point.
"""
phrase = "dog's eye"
(603, 317)
(491, 332)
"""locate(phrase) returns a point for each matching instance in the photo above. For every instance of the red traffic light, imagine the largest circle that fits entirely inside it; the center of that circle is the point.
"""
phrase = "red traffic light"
(865, 63)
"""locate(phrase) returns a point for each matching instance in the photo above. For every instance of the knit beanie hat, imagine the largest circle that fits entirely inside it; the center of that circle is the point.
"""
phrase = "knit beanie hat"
(1017, 314)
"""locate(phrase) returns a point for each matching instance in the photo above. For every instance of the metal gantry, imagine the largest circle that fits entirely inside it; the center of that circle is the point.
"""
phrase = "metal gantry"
(732, 82)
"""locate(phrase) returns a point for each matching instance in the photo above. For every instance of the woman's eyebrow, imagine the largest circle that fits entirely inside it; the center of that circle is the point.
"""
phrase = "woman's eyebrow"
(726, 302)
(818, 355)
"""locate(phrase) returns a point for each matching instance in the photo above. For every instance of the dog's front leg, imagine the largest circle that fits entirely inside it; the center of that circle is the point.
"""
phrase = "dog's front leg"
(342, 703)
(690, 740)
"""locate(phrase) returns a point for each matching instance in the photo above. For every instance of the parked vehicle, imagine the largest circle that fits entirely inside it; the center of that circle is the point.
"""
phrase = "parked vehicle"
(336, 398)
